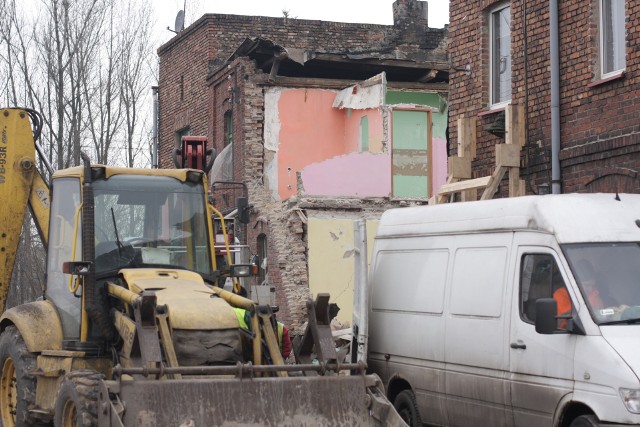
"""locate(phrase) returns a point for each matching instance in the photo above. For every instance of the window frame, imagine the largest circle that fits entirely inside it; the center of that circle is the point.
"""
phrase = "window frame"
(493, 103)
(604, 74)
(557, 267)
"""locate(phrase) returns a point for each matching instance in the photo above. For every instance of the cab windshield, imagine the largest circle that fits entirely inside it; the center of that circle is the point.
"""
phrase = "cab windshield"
(608, 275)
(150, 221)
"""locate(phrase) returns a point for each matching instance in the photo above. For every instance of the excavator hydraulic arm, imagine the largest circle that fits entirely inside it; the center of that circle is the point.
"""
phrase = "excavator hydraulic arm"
(21, 185)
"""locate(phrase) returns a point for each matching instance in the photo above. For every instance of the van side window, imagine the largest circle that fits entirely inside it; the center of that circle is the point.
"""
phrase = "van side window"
(540, 277)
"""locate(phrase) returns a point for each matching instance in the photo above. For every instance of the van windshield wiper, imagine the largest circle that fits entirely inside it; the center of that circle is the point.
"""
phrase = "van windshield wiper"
(631, 321)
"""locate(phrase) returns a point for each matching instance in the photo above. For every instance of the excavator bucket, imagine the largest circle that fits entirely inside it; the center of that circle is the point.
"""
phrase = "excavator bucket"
(292, 401)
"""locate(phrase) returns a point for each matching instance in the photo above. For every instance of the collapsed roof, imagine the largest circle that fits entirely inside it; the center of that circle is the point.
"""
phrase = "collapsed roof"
(277, 60)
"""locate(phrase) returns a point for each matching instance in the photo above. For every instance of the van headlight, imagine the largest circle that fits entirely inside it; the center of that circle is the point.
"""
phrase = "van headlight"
(631, 399)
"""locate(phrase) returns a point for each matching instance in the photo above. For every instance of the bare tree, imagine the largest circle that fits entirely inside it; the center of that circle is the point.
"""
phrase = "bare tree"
(86, 66)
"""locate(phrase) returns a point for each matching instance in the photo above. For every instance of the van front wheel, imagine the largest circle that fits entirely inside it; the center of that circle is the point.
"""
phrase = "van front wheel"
(405, 404)
(585, 421)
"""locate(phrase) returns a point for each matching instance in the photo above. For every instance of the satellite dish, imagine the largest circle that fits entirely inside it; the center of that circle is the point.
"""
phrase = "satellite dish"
(179, 21)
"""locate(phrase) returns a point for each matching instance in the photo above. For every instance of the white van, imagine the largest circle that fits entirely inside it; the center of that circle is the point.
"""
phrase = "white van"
(509, 312)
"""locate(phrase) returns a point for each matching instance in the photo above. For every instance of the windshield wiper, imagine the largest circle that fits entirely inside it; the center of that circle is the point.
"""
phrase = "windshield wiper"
(631, 321)
(115, 229)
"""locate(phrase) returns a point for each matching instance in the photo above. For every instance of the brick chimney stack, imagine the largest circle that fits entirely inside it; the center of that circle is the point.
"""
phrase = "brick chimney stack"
(410, 13)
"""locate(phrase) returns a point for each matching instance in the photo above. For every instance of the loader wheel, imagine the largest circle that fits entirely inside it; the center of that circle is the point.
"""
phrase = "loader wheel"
(77, 400)
(17, 384)
(405, 404)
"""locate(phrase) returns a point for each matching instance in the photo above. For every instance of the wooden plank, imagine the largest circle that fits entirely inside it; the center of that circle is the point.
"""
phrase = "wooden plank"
(508, 155)
(467, 137)
(440, 198)
(495, 179)
(514, 182)
(460, 167)
(465, 185)
(515, 125)
(469, 195)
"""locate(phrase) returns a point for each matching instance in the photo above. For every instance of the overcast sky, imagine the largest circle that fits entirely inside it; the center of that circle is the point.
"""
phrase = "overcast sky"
(360, 11)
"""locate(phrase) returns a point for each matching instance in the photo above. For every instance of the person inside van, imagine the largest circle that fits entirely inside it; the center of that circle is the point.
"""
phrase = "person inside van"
(562, 297)
(591, 289)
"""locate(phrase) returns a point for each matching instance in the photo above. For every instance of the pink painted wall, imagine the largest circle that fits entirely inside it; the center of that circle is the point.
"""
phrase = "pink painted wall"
(311, 131)
(353, 174)
(352, 129)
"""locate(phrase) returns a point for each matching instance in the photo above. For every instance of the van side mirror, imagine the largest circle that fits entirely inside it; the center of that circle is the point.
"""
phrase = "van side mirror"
(546, 311)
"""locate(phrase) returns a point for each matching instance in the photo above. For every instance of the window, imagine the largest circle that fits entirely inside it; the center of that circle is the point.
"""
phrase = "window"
(63, 236)
(364, 134)
(185, 131)
(612, 37)
(227, 168)
(540, 277)
(500, 54)
(228, 127)
(262, 256)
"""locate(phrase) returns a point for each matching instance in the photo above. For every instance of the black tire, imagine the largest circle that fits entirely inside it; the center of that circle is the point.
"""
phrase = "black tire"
(405, 404)
(17, 383)
(77, 400)
(585, 421)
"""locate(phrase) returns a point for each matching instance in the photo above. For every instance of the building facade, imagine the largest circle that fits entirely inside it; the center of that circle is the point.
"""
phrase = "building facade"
(501, 52)
(322, 124)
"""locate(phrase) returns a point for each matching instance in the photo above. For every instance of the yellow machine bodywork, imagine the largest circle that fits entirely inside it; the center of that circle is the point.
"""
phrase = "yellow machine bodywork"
(38, 323)
(20, 183)
(193, 305)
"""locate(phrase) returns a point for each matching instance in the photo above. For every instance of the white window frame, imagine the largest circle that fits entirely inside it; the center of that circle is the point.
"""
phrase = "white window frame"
(619, 38)
(493, 102)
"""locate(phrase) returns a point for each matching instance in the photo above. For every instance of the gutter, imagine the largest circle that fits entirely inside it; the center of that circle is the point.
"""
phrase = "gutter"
(555, 98)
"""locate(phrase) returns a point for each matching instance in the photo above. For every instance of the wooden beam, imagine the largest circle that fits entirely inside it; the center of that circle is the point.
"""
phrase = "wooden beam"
(514, 182)
(467, 137)
(508, 155)
(465, 185)
(515, 125)
(439, 199)
(494, 181)
(460, 167)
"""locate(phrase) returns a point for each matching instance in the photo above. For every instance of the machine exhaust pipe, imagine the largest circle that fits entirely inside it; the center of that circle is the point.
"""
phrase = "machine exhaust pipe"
(94, 299)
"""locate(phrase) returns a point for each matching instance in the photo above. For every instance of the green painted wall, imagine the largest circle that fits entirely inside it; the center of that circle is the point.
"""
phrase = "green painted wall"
(434, 100)
(410, 154)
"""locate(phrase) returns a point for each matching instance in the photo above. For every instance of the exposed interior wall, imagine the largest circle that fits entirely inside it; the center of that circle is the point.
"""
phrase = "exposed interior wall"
(305, 135)
(331, 261)
(315, 149)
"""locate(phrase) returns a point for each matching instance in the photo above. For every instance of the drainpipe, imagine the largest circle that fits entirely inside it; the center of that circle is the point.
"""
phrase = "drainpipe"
(154, 147)
(555, 98)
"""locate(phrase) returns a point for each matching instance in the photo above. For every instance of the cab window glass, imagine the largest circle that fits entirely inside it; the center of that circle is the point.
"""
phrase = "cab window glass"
(540, 277)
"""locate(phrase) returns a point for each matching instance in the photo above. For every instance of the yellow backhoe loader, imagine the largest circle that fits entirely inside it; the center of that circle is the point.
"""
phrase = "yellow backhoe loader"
(132, 329)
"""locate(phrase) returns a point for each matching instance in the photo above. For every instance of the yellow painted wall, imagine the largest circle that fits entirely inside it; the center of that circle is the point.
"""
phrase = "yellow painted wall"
(331, 260)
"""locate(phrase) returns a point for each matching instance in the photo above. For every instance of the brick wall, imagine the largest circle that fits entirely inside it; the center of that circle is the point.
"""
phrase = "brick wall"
(599, 122)
(186, 60)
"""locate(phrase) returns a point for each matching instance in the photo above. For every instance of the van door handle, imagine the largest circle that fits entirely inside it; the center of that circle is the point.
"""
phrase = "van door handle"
(518, 345)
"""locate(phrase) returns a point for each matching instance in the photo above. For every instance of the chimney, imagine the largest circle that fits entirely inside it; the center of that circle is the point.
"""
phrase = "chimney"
(407, 13)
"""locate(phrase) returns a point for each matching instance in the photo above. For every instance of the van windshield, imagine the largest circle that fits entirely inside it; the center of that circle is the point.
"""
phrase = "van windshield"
(608, 275)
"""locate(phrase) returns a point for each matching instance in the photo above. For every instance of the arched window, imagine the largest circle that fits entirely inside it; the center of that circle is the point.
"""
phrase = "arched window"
(262, 254)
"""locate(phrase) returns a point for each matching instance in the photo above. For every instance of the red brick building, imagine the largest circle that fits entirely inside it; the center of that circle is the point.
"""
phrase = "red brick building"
(222, 77)
(500, 53)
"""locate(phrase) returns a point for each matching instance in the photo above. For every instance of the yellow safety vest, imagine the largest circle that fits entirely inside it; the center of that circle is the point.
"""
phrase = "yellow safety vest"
(244, 318)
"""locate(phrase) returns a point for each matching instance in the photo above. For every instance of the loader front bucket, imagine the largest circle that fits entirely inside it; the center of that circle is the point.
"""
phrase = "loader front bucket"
(335, 400)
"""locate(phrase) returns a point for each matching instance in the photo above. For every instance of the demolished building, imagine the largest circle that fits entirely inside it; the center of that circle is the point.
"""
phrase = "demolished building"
(321, 123)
